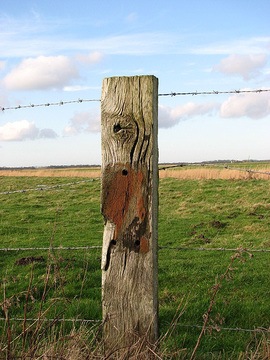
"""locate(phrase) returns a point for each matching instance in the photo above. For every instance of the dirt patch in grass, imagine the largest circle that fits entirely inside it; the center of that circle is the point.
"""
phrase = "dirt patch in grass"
(29, 260)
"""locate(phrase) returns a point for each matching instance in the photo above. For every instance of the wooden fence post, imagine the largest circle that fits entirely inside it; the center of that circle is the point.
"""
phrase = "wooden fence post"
(129, 204)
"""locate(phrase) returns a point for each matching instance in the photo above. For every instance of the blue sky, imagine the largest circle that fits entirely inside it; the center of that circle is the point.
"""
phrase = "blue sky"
(54, 51)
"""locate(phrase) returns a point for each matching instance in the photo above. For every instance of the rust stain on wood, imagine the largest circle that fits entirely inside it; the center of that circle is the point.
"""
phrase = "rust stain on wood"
(124, 205)
(144, 245)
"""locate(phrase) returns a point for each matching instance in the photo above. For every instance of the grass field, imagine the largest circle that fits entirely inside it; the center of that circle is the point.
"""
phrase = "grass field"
(197, 218)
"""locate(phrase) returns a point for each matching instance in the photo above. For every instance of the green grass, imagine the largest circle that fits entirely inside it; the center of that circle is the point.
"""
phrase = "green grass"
(193, 214)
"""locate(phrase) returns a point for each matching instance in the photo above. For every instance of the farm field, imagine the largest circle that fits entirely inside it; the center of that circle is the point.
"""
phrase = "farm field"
(203, 220)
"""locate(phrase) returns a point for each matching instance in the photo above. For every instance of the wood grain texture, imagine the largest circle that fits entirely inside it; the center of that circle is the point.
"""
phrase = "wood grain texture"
(129, 205)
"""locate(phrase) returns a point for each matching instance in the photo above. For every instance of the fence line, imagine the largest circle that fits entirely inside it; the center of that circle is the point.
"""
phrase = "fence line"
(248, 170)
(159, 248)
(45, 187)
(53, 320)
(52, 248)
(213, 92)
(211, 249)
(49, 187)
(215, 166)
(172, 94)
(220, 328)
(77, 320)
(60, 103)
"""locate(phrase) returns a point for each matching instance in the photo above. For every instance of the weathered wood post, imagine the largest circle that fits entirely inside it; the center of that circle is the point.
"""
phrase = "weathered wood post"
(129, 204)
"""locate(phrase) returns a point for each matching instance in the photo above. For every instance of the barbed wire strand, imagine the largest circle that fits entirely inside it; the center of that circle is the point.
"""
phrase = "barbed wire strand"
(176, 248)
(49, 187)
(74, 320)
(215, 166)
(60, 103)
(45, 187)
(51, 248)
(210, 249)
(54, 320)
(172, 94)
(220, 328)
(214, 92)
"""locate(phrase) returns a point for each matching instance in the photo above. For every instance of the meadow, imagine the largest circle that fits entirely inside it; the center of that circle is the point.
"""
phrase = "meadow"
(214, 242)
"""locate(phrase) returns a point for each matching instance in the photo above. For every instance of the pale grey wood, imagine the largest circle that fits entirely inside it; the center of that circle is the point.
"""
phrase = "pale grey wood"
(129, 204)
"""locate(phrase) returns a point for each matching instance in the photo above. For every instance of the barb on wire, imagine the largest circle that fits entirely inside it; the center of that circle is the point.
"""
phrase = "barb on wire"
(172, 94)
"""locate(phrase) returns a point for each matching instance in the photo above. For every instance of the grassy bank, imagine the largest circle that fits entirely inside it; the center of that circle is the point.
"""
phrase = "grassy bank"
(194, 215)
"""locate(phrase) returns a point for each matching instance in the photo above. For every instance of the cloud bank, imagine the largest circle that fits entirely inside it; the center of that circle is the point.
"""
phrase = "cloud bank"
(24, 130)
(246, 66)
(43, 72)
(252, 105)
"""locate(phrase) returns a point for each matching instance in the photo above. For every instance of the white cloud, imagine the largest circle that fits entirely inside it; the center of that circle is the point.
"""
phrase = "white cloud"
(23, 130)
(18, 130)
(247, 66)
(169, 117)
(83, 122)
(43, 72)
(252, 105)
(92, 58)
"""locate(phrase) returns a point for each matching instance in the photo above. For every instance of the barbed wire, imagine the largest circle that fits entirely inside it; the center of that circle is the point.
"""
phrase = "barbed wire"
(213, 92)
(166, 167)
(179, 248)
(162, 247)
(172, 94)
(78, 320)
(49, 187)
(220, 328)
(47, 104)
(45, 187)
(52, 248)
(54, 320)
(248, 170)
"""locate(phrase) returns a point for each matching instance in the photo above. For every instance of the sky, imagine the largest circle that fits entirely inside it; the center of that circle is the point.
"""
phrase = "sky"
(60, 51)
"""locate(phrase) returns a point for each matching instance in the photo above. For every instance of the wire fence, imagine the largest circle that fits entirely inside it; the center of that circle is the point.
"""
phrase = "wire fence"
(167, 167)
(172, 94)
(45, 187)
(99, 321)
(175, 248)
(86, 248)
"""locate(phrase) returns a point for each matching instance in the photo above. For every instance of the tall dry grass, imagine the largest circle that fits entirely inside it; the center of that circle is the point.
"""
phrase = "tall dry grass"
(43, 172)
(200, 173)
